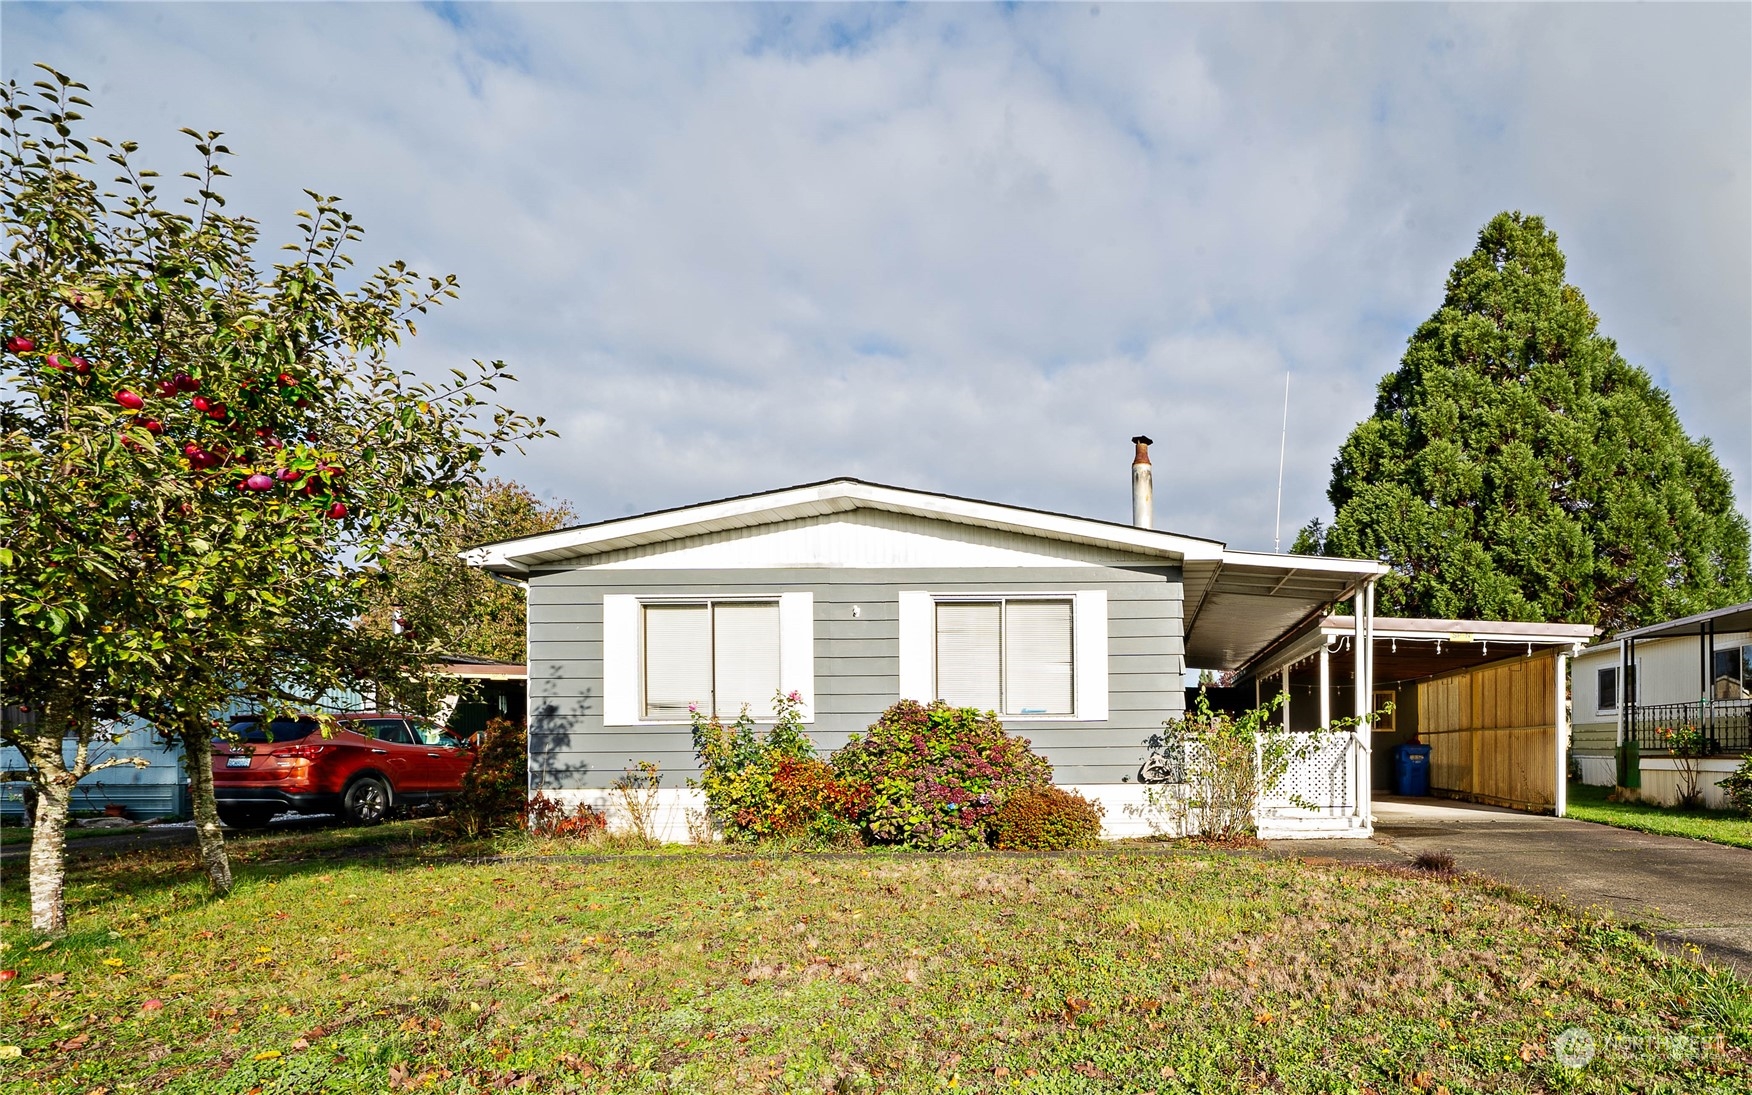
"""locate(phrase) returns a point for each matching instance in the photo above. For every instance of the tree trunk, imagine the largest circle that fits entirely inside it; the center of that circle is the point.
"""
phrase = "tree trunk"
(54, 784)
(197, 739)
(48, 847)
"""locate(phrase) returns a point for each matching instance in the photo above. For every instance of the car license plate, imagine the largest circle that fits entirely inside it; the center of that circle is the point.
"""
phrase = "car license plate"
(237, 762)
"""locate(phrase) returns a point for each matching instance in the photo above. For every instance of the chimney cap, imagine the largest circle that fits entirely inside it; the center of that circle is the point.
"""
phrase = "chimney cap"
(1140, 439)
(1142, 456)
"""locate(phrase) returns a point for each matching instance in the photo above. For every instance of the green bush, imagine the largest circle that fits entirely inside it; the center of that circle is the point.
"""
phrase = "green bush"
(495, 789)
(770, 786)
(1738, 787)
(934, 776)
(1046, 818)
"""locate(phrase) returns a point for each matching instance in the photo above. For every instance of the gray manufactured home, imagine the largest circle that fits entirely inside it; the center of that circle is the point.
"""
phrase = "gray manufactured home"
(853, 595)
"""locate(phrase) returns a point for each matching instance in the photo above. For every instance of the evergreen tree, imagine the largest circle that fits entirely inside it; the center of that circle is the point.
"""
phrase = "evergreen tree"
(1518, 468)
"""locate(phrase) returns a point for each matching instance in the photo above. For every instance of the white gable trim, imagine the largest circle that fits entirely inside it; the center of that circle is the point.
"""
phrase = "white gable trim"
(871, 539)
(837, 496)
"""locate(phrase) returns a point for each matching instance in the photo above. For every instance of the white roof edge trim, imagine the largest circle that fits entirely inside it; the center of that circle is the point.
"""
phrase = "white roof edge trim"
(515, 555)
(1321, 564)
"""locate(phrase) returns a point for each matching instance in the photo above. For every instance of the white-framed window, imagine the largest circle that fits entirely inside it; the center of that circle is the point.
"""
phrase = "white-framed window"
(1732, 676)
(662, 655)
(718, 656)
(1012, 655)
(1022, 655)
(1607, 692)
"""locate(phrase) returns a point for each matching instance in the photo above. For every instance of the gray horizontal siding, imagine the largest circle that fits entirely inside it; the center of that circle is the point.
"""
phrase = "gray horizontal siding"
(857, 662)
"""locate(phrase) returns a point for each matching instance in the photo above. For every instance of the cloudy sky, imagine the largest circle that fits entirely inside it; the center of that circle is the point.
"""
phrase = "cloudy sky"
(971, 249)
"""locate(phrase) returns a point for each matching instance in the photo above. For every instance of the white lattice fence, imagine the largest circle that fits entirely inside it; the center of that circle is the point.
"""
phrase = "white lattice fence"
(1323, 779)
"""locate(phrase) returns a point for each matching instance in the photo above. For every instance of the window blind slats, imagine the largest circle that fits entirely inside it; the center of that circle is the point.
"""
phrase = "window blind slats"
(1037, 658)
(969, 672)
(747, 646)
(678, 659)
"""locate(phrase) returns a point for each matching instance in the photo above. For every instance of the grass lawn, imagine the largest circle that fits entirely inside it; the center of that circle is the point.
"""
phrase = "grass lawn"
(1589, 804)
(360, 961)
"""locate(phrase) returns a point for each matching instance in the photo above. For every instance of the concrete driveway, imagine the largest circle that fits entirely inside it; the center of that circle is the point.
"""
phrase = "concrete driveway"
(1683, 891)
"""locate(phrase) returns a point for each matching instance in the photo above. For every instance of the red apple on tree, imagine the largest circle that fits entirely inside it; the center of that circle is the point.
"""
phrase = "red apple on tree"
(257, 482)
(130, 400)
(336, 511)
(18, 344)
(186, 383)
(201, 403)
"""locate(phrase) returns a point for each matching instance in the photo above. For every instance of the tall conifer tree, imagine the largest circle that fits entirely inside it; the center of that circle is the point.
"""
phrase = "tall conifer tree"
(1518, 468)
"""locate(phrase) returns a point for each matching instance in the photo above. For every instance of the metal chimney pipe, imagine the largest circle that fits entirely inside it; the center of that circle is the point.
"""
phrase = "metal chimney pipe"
(1143, 485)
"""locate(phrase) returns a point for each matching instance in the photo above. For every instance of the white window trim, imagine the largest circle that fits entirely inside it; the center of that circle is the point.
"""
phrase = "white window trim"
(623, 647)
(918, 647)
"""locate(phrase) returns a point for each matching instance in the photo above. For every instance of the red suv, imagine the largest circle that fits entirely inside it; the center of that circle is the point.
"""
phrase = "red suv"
(368, 765)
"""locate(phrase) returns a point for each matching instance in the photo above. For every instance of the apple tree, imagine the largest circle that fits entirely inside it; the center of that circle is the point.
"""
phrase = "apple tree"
(204, 456)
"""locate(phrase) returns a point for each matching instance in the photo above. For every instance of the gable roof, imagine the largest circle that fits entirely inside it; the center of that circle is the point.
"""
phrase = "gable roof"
(1237, 602)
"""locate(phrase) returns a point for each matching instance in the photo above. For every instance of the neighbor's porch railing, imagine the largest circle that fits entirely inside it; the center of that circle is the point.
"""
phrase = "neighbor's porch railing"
(1726, 724)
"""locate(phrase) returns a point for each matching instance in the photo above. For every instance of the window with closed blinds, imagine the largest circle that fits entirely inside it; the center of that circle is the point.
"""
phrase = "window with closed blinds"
(717, 655)
(678, 659)
(745, 642)
(1013, 656)
(969, 662)
(1037, 658)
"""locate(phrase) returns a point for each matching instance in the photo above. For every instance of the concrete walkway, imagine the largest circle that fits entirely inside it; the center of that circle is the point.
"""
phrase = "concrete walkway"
(1684, 891)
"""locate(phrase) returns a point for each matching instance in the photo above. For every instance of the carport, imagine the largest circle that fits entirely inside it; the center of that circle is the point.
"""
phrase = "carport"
(1488, 697)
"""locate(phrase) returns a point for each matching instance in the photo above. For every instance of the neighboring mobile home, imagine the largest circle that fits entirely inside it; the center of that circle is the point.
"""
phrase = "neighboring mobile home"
(1694, 671)
(854, 595)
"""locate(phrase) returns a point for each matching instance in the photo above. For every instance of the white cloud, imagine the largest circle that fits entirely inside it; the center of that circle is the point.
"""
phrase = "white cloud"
(969, 249)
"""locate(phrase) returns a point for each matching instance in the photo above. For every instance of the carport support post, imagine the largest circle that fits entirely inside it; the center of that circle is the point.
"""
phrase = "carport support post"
(1325, 684)
(1365, 694)
(1560, 793)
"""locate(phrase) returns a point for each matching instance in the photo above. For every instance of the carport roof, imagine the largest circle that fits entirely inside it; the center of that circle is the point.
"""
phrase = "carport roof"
(1408, 648)
(1732, 618)
(1237, 602)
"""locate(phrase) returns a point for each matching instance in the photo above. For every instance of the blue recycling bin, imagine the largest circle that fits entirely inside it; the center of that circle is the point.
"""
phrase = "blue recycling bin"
(1411, 770)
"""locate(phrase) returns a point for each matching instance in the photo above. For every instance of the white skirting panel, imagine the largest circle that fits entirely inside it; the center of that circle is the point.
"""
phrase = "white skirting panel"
(671, 808)
(1597, 771)
(1128, 814)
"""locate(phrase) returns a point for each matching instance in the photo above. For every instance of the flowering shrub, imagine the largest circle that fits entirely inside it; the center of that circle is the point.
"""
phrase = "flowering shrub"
(935, 775)
(762, 786)
(549, 817)
(1687, 744)
(1046, 818)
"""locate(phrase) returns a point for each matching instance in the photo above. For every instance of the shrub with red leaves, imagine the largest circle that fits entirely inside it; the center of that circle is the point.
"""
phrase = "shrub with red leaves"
(1046, 818)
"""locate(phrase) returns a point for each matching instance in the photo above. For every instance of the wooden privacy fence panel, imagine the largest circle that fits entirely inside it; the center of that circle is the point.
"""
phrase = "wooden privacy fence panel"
(1492, 732)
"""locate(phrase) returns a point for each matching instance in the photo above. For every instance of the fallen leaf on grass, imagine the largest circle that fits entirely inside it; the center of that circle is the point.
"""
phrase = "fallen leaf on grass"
(1089, 1069)
(8, 1053)
(267, 1055)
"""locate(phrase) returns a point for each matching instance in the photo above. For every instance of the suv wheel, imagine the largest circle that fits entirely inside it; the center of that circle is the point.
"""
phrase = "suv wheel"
(238, 818)
(366, 801)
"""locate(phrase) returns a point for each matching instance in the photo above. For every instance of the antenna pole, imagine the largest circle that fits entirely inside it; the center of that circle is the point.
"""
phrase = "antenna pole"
(1283, 443)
